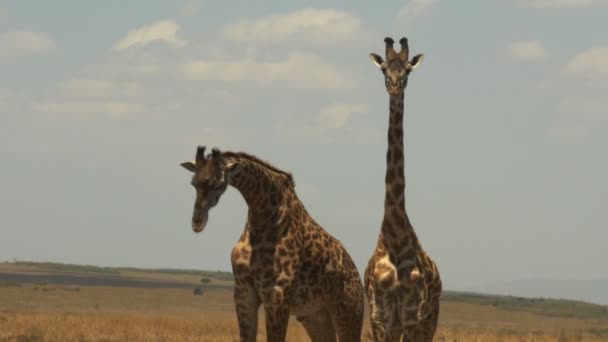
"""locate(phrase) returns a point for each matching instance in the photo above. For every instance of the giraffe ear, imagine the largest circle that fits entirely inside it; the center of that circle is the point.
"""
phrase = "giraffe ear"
(377, 60)
(189, 165)
(416, 61)
(231, 169)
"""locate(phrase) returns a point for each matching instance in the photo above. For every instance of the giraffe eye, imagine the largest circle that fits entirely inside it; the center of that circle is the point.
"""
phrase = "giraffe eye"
(211, 186)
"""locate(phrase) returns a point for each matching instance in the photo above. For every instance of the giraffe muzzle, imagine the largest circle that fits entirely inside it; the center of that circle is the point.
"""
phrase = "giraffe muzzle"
(199, 219)
(394, 90)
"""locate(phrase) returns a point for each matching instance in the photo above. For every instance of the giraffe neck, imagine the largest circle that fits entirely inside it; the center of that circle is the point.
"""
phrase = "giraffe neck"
(264, 189)
(397, 233)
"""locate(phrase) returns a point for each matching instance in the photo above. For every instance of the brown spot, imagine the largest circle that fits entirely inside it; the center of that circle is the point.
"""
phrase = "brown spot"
(410, 300)
(397, 216)
(398, 117)
(405, 239)
(308, 253)
(390, 177)
(409, 254)
(388, 230)
(411, 315)
(289, 244)
(305, 266)
(398, 133)
(240, 268)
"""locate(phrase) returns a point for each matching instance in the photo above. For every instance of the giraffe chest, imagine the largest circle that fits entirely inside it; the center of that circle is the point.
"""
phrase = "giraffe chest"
(404, 300)
(306, 281)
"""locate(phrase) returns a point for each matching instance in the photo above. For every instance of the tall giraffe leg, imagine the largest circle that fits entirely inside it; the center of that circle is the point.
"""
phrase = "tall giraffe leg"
(319, 327)
(376, 317)
(348, 325)
(277, 318)
(247, 304)
(347, 309)
(381, 315)
(413, 335)
(429, 324)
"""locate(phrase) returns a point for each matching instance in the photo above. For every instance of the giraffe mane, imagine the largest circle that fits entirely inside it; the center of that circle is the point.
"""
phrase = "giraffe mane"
(261, 162)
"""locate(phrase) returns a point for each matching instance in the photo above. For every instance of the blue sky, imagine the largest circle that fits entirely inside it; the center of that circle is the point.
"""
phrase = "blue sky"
(505, 131)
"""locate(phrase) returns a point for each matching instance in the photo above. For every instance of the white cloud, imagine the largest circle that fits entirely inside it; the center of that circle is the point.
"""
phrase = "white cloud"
(99, 88)
(306, 26)
(415, 9)
(592, 63)
(20, 43)
(527, 51)
(329, 126)
(160, 31)
(227, 138)
(336, 115)
(562, 3)
(582, 104)
(88, 109)
(302, 71)
(585, 106)
(134, 69)
(570, 130)
(191, 8)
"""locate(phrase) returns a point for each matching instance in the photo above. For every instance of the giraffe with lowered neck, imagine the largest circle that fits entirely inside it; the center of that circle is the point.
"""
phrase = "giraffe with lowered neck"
(402, 282)
(284, 260)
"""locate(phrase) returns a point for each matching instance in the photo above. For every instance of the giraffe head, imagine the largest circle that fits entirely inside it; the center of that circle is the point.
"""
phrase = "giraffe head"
(211, 177)
(397, 66)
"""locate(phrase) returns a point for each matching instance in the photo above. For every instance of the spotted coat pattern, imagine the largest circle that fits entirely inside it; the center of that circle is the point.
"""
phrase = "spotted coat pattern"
(286, 262)
(402, 282)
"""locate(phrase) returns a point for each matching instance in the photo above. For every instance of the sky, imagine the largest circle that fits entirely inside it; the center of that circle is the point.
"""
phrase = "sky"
(506, 128)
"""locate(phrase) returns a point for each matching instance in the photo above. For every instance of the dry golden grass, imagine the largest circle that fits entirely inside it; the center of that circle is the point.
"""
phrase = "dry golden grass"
(96, 313)
(38, 326)
(35, 326)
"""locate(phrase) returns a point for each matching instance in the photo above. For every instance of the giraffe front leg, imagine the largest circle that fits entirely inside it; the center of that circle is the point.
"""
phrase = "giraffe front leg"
(382, 317)
(429, 324)
(376, 317)
(277, 318)
(247, 304)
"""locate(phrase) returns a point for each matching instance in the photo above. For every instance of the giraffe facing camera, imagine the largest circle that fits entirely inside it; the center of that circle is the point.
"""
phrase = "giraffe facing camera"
(402, 282)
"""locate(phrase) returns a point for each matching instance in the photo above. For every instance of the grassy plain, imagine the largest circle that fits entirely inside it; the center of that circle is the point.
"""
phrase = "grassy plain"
(66, 312)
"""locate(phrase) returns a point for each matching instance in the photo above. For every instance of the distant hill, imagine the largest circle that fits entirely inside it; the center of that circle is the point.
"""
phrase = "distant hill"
(55, 266)
(589, 290)
(540, 306)
(538, 301)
